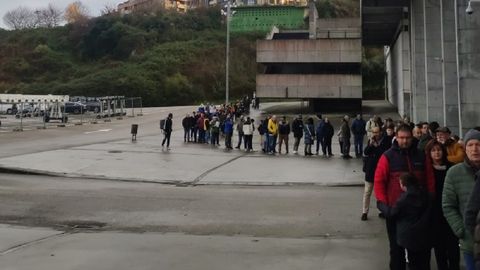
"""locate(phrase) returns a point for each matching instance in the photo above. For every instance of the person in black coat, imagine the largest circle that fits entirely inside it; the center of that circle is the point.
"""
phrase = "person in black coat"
(297, 129)
(327, 132)
(186, 128)
(444, 242)
(167, 130)
(373, 151)
(413, 215)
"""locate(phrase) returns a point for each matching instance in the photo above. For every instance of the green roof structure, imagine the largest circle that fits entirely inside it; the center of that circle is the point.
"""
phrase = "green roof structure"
(263, 18)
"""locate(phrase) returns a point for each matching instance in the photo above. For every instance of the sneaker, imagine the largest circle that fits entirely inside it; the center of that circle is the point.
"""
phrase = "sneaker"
(381, 215)
(295, 152)
(364, 216)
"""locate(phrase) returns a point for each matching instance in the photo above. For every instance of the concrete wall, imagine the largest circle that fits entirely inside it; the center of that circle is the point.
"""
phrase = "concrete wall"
(469, 59)
(309, 51)
(434, 71)
(309, 86)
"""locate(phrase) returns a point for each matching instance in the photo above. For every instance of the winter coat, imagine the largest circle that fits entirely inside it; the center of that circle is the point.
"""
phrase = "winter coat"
(413, 215)
(458, 185)
(455, 152)
(473, 206)
(240, 127)
(168, 125)
(297, 128)
(423, 141)
(345, 132)
(309, 131)
(358, 127)
(393, 163)
(248, 128)
(441, 229)
(186, 122)
(201, 123)
(319, 130)
(373, 154)
(228, 126)
(369, 126)
(327, 130)
(284, 128)
(272, 127)
(215, 126)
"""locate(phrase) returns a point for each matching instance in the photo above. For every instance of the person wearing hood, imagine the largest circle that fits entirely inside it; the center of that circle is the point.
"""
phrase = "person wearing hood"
(459, 183)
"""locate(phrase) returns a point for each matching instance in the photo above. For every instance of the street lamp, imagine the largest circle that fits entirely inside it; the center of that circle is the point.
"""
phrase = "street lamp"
(227, 52)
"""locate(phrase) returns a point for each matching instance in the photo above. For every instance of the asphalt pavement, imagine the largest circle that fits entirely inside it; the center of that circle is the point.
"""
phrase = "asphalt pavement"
(191, 207)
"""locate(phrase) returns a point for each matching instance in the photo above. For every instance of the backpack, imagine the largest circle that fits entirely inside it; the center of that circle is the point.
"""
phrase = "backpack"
(162, 124)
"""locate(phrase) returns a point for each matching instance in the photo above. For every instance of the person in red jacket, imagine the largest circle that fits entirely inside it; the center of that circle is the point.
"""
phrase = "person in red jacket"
(402, 157)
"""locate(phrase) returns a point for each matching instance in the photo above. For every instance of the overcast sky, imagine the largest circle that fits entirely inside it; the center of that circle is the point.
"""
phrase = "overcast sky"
(94, 6)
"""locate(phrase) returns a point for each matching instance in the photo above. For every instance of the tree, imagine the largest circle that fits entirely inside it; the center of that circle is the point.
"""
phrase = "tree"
(20, 18)
(108, 10)
(76, 12)
(49, 17)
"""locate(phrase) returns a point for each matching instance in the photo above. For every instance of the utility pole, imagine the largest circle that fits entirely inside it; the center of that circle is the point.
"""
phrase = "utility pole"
(227, 54)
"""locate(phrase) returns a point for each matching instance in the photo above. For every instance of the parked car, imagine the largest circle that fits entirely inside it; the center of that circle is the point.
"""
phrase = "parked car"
(12, 110)
(75, 107)
(93, 106)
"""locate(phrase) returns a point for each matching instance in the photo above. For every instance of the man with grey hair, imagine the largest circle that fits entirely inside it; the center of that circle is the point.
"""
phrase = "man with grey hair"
(458, 186)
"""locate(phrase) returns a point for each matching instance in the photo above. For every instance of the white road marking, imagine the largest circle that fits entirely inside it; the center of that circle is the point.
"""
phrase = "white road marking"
(100, 130)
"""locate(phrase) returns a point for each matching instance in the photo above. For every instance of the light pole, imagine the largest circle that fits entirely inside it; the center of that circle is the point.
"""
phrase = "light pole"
(227, 54)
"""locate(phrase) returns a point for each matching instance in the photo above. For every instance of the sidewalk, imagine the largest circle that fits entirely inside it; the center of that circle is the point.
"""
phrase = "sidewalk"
(187, 163)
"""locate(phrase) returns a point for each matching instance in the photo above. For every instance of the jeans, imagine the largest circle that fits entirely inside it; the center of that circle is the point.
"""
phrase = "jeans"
(469, 261)
(228, 140)
(319, 143)
(296, 143)
(248, 142)
(167, 138)
(201, 135)
(281, 139)
(367, 194)
(327, 146)
(272, 139)
(215, 138)
(240, 137)
(418, 260)
(358, 142)
(397, 253)
(346, 147)
(186, 134)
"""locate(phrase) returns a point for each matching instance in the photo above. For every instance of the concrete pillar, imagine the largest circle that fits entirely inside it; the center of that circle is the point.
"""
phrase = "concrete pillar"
(398, 70)
(450, 66)
(433, 61)
(418, 61)
(469, 60)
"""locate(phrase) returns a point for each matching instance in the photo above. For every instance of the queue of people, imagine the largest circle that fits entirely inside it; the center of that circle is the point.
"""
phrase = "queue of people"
(423, 178)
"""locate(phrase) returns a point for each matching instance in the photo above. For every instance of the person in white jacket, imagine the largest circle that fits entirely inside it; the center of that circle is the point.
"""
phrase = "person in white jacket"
(248, 129)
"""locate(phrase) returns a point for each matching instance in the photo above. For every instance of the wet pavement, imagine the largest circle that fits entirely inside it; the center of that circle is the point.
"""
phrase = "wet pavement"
(221, 209)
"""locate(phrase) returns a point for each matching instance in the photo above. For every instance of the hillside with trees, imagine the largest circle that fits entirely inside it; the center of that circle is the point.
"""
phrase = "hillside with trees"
(167, 58)
(164, 57)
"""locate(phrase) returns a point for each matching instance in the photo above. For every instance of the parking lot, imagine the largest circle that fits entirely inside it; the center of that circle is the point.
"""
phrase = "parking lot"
(12, 123)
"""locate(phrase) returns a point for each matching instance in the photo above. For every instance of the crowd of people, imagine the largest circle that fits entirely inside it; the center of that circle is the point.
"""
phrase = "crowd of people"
(422, 175)
(423, 178)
